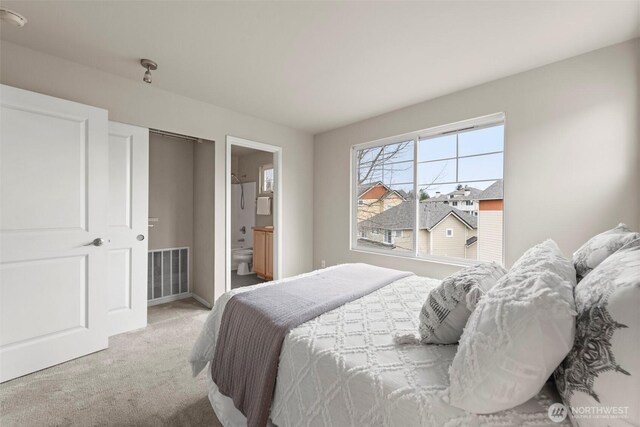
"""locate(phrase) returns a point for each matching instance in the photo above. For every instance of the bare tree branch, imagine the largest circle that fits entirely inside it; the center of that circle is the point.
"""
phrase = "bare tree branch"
(380, 157)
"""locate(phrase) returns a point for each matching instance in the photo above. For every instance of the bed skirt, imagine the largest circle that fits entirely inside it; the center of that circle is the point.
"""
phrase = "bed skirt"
(224, 408)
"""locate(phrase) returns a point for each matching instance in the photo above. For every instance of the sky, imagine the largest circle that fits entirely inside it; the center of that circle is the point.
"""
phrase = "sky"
(433, 171)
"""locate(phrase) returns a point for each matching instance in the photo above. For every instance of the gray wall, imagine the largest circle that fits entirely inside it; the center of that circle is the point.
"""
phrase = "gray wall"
(571, 155)
(203, 219)
(170, 192)
(132, 101)
(181, 195)
(171, 195)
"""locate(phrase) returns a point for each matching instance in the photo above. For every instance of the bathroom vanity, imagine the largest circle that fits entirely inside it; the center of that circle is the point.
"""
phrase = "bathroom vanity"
(263, 252)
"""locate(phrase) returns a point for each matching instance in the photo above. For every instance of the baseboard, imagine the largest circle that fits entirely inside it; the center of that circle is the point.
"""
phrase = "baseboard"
(170, 298)
(201, 300)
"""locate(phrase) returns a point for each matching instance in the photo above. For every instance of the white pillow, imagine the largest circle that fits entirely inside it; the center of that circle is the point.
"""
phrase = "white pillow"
(545, 256)
(449, 305)
(601, 246)
(517, 335)
(602, 370)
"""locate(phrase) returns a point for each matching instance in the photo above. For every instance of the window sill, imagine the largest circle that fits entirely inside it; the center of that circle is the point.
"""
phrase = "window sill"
(432, 259)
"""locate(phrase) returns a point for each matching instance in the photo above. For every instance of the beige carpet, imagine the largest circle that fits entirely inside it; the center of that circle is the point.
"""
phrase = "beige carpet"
(142, 379)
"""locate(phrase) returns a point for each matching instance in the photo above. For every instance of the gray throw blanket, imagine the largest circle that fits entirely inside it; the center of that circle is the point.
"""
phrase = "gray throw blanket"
(255, 323)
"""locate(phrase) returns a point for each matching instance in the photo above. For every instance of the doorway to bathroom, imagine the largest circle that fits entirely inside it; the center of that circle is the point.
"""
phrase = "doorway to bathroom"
(253, 238)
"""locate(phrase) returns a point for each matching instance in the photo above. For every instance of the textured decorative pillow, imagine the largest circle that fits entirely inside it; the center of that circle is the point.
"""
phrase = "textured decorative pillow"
(599, 247)
(448, 306)
(517, 335)
(545, 256)
(602, 370)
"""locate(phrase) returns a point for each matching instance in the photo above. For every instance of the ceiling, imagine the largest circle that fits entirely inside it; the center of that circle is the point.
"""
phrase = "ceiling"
(315, 66)
(240, 151)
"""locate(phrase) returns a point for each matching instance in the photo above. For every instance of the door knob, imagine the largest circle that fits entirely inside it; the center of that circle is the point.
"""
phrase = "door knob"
(140, 237)
(99, 241)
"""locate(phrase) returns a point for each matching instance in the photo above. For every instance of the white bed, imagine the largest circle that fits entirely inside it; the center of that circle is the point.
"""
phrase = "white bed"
(343, 368)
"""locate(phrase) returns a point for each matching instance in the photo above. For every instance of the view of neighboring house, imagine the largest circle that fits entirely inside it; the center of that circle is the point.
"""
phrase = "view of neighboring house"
(490, 223)
(376, 198)
(466, 223)
(444, 230)
(464, 198)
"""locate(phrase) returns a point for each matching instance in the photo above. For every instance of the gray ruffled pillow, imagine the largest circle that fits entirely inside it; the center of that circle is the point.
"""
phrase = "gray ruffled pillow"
(449, 305)
(600, 247)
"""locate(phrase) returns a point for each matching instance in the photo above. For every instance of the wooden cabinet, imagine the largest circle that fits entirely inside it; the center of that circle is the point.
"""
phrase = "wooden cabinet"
(263, 252)
(259, 257)
(269, 256)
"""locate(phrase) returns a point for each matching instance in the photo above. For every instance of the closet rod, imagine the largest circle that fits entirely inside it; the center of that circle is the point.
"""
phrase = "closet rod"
(177, 135)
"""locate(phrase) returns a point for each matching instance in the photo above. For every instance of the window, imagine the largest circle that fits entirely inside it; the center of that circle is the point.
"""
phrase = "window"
(430, 183)
(266, 179)
(385, 173)
(390, 235)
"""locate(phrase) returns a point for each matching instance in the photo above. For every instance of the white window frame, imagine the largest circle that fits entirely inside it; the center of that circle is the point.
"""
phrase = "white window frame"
(263, 168)
(470, 124)
(447, 232)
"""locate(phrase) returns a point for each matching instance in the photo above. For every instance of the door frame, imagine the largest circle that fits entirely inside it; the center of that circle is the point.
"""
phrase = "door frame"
(277, 203)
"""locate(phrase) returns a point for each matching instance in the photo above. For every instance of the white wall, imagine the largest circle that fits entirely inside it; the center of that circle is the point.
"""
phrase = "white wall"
(135, 102)
(571, 155)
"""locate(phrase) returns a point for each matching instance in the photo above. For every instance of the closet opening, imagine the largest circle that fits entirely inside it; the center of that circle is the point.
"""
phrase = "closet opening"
(180, 234)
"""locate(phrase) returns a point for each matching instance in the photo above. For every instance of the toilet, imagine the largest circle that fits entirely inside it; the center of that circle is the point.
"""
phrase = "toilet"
(242, 257)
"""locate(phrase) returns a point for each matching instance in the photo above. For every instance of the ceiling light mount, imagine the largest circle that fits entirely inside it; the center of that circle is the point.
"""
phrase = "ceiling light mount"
(13, 18)
(150, 66)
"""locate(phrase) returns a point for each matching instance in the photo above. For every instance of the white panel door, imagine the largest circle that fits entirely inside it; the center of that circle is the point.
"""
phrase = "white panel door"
(127, 224)
(53, 204)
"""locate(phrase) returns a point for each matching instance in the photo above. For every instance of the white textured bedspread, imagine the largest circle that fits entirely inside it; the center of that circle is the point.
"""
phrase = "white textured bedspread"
(343, 368)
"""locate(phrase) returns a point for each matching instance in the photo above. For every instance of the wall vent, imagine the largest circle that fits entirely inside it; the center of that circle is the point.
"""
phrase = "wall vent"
(168, 273)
